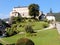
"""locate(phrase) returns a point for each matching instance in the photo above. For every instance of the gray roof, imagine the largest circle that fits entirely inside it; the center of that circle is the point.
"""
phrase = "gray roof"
(20, 6)
(50, 14)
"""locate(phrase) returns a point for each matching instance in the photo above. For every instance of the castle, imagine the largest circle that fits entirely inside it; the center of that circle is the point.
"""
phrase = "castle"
(21, 11)
(24, 12)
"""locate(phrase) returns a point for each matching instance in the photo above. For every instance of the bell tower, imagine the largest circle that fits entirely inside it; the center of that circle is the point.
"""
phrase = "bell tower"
(51, 11)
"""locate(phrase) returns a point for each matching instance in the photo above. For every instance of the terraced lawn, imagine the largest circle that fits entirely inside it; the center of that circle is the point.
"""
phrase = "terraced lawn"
(48, 37)
(38, 25)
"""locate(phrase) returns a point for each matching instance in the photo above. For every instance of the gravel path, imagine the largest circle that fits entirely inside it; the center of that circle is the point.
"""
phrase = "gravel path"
(5, 42)
(58, 27)
(50, 27)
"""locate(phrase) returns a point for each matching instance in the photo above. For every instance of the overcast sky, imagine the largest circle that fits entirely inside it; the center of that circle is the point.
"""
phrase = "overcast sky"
(45, 5)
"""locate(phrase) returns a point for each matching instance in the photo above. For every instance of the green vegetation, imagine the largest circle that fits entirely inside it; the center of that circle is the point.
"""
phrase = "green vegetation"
(1, 44)
(16, 32)
(11, 31)
(57, 16)
(35, 25)
(24, 41)
(48, 37)
(34, 10)
(4, 23)
(23, 24)
(29, 29)
(16, 19)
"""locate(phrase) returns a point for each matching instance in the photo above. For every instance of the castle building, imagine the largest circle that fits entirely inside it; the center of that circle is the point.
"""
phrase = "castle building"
(50, 16)
(20, 11)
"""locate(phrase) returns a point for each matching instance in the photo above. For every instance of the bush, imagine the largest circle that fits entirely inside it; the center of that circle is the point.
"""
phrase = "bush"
(45, 25)
(45, 20)
(29, 34)
(8, 32)
(10, 44)
(29, 20)
(24, 41)
(16, 19)
(1, 44)
(11, 31)
(28, 29)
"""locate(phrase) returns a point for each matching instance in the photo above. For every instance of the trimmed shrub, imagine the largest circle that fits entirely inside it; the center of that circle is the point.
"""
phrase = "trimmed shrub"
(11, 31)
(10, 44)
(24, 41)
(29, 20)
(45, 20)
(16, 19)
(45, 25)
(8, 32)
(28, 29)
(1, 44)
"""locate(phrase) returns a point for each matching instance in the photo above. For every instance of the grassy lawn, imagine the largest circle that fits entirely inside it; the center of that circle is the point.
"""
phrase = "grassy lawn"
(38, 25)
(48, 37)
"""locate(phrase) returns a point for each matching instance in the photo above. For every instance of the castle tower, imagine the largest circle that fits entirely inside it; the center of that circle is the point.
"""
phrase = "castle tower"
(51, 10)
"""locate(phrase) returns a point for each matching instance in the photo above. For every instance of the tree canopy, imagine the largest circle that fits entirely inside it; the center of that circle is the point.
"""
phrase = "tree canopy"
(33, 10)
(24, 41)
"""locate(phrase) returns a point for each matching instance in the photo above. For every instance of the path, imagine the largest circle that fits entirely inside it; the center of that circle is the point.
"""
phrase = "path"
(58, 27)
(3, 41)
(50, 27)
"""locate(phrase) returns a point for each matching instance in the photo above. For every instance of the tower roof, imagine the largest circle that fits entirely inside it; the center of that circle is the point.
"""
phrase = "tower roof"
(21, 7)
(50, 13)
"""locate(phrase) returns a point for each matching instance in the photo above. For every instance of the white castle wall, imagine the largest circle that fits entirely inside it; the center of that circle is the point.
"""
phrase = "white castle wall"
(24, 12)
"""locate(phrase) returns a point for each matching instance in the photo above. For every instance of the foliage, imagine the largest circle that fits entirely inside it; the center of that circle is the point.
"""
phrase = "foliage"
(33, 10)
(28, 29)
(36, 25)
(16, 19)
(45, 25)
(47, 37)
(45, 20)
(10, 44)
(31, 34)
(57, 16)
(4, 23)
(11, 31)
(24, 41)
(1, 44)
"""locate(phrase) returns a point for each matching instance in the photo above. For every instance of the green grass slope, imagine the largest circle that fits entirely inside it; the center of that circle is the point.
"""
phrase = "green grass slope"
(48, 37)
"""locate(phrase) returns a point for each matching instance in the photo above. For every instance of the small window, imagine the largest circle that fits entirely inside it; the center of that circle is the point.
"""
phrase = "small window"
(23, 14)
(15, 14)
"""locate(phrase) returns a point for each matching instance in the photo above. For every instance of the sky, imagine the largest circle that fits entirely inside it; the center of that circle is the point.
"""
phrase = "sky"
(6, 6)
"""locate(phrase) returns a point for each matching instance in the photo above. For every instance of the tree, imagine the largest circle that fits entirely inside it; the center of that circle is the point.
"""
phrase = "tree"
(5, 24)
(29, 29)
(12, 30)
(33, 10)
(16, 19)
(24, 41)
(1, 44)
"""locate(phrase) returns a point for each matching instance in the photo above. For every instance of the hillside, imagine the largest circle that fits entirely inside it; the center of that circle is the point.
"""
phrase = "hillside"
(57, 15)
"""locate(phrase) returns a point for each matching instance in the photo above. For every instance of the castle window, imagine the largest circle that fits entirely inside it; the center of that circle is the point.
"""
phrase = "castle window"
(23, 14)
(15, 14)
